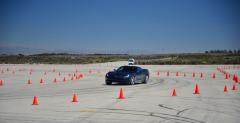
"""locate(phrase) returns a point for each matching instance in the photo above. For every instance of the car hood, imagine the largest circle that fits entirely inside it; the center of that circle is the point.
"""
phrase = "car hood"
(118, 73)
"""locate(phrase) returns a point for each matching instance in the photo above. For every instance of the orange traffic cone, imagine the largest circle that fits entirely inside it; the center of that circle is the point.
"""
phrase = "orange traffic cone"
(74, 98)
(64, 79)
(201, 75)
(1, 82)
(72, 78)
(59, 74)
(234, 87)
(214, 75)
(121, 94)
(35, 101)
(177, 74)
(29, 81)
(158, 73)
(55, 80)
(234, 76)
(196, 90)
(236, 79)
(41, 81)
(194, 74)
(226, 76)
(81, 75)
(174, 92)
(225, 88)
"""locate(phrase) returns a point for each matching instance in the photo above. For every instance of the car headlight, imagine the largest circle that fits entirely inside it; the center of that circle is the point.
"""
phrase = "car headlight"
(107, 75)
(126, 76)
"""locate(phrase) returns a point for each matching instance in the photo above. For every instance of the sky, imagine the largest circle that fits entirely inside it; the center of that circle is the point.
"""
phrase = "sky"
(120, 26)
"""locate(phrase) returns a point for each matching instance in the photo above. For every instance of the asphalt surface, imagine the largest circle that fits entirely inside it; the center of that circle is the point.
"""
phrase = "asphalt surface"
(98, 103)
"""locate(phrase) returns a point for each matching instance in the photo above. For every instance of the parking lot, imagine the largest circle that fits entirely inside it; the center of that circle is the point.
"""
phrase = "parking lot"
(54, 86)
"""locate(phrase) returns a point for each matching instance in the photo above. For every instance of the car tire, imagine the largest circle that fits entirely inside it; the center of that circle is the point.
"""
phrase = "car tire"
(146, 79)
(108, 83)
(132, 81)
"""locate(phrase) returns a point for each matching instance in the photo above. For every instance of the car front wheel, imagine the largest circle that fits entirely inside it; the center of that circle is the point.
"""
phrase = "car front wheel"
(108, 83)
(132, 81)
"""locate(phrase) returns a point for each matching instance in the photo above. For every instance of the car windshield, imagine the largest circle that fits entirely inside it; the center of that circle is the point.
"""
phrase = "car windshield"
(127, 69)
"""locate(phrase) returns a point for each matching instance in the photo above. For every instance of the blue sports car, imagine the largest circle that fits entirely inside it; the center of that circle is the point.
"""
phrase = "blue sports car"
(127, 75)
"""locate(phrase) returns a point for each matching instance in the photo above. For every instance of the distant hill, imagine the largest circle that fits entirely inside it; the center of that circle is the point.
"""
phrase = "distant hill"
(20, 50)
(66, 58)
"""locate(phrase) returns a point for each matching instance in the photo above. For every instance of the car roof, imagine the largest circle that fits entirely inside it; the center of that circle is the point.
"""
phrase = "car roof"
(130, 66)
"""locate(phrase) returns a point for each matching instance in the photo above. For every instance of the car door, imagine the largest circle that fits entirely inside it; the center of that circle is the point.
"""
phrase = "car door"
(139, 74)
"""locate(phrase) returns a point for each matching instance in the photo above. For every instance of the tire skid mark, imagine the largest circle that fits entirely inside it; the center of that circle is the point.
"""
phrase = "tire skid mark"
(138, 89)
(209, 102)
(166, 107)
(28, 118)
(181, 111)
(57, 94)
(115, 120)
(170, 108)
(152, 114)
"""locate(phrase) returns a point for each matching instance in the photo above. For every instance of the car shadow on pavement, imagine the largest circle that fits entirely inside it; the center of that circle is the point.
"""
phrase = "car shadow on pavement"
(119, 84)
